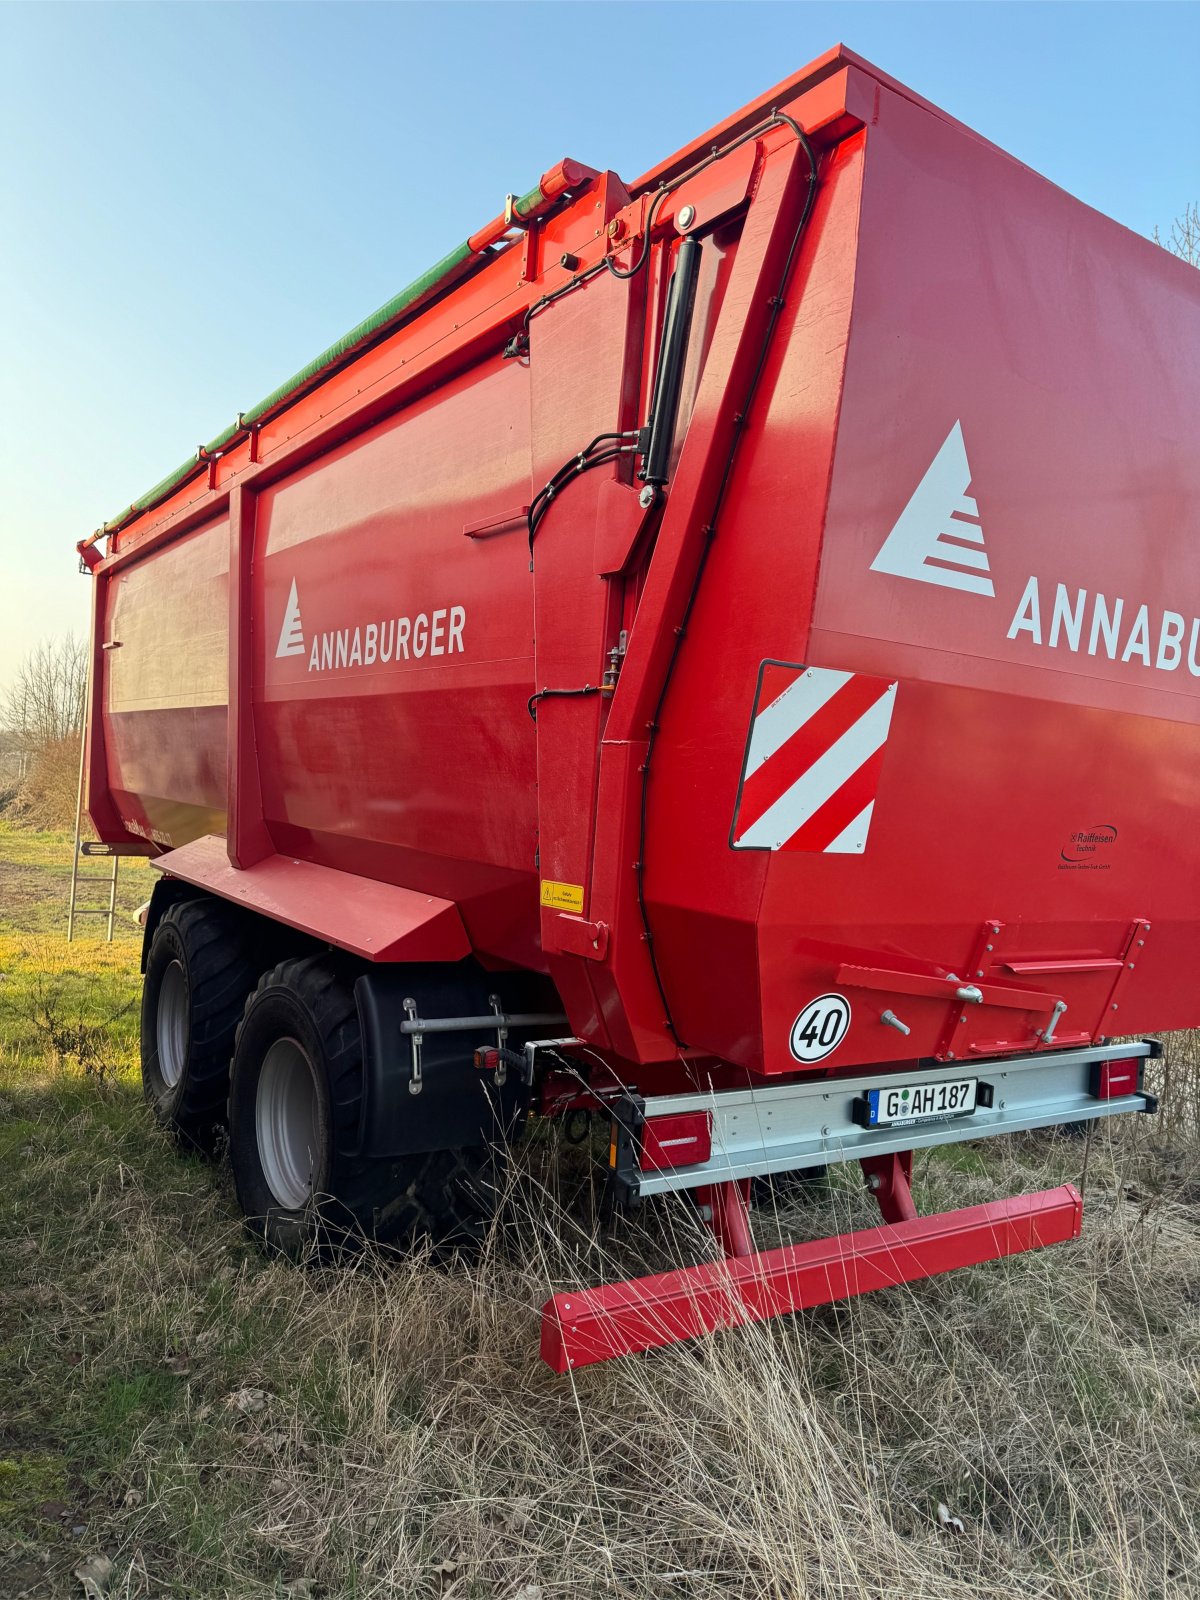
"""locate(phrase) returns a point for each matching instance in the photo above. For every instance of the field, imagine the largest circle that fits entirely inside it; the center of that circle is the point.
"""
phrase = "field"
(181, 1417)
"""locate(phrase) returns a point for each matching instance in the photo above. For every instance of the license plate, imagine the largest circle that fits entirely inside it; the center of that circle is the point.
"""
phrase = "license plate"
(920, 1102)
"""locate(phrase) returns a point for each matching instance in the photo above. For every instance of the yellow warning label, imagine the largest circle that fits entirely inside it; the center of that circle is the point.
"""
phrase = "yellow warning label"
(562, 896)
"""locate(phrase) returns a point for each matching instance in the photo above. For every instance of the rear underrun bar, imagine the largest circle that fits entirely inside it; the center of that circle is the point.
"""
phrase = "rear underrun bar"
(791, 1126)
(581, 1328)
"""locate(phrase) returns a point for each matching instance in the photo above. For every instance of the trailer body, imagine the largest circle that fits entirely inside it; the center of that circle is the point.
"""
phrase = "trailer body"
(867, 743)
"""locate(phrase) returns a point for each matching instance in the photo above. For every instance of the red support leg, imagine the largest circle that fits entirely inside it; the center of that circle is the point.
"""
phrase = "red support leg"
(889, 1179)
(730, 1219)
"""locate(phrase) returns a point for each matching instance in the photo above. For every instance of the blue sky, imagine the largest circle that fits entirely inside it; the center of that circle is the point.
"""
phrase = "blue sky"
(195, 199)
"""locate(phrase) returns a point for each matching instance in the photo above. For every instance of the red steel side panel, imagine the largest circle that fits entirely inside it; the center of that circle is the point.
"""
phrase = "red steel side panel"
(1008, 537)
(393, 657)
(1012, 533)
(163, 688)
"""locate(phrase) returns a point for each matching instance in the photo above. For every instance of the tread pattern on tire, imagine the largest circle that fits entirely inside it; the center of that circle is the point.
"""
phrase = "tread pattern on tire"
(447, 1196)
(220, 976)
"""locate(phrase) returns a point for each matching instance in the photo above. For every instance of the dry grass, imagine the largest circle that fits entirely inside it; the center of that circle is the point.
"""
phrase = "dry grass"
(223, 1426)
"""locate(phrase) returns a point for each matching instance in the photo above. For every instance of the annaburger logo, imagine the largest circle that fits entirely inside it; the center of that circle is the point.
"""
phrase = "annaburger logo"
(291, 635)
(434, 633)
(937, 537)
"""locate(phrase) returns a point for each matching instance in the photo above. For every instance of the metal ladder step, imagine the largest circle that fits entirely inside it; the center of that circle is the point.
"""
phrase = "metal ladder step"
(89, 849)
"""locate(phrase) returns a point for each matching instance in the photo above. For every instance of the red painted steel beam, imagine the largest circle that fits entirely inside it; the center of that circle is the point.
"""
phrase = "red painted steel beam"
(889, 1179)
(729, 1204)
(926, 984)
(378, 921)
(246, 828)
(581, 1328)
(101, 806)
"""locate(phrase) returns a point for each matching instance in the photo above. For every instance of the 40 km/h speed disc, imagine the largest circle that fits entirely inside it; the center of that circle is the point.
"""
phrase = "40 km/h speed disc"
(820, 1027)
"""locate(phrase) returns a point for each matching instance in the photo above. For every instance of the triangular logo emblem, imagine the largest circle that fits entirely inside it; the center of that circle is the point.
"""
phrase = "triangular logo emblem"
(291, 635)
(932, 541)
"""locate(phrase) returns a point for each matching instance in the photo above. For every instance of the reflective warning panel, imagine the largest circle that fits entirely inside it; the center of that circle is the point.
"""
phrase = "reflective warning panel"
(813, 758)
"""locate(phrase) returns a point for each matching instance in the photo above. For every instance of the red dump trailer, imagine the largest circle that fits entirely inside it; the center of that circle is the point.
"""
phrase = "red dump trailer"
(721, 651)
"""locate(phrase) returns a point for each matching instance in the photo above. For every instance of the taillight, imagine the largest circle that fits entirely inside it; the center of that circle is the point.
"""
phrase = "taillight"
(1110, 1080)
(679, 1141)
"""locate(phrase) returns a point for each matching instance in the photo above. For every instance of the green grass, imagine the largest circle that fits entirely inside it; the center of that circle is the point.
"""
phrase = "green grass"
(222, 1426)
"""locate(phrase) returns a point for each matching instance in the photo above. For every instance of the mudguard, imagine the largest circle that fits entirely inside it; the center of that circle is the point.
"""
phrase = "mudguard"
(456, 1105)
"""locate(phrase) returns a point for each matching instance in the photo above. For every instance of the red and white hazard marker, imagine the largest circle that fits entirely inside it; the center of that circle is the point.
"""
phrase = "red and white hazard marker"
(813, 760)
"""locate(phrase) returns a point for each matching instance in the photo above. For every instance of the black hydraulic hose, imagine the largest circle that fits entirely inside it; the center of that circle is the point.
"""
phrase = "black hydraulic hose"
(655, 205)
(775, 120)
(620, 444)
(710, 531)
(519, 343)
(591, 456)
(657, 437)
(559, 694)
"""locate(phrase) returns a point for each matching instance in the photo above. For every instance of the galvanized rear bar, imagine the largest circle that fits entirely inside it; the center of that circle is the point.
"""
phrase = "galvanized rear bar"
(757, 1132)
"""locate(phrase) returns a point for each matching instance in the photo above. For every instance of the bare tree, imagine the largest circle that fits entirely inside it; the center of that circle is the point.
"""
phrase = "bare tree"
(1184, 238)
(45, 701)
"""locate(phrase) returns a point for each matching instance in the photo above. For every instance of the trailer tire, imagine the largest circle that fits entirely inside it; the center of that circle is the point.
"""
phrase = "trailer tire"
(199, 970)
(297, 1085)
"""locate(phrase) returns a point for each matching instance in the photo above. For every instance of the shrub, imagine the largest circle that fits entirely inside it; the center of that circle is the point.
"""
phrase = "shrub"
(45, 797)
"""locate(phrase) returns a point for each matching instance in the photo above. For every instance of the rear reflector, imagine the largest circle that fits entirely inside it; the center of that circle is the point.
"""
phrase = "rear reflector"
(680, 1141)
(1112, 1080)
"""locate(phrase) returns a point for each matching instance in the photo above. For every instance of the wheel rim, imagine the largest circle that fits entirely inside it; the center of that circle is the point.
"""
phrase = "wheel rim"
(286, 1120)
(172, 1024)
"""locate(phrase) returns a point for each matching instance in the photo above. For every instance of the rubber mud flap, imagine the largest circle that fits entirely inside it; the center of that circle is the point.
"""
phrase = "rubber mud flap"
(457, 1105)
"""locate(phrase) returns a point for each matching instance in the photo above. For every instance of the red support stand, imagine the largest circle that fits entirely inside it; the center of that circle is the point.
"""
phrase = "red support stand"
(729, 1204)
(889, 1179)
